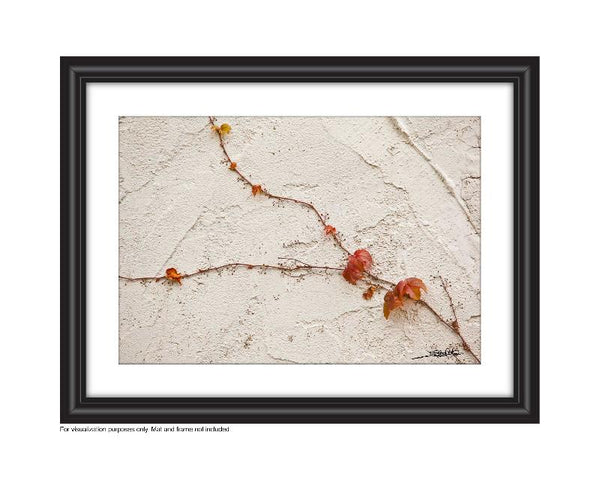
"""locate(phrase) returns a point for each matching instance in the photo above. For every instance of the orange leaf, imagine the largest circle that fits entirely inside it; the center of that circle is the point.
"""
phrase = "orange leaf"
(232, 166)
(256, 189)
(358, 263)
(173, 275)
(368, 294)
(386, 310)
(329, 230)
(411, 287)
(391, 301)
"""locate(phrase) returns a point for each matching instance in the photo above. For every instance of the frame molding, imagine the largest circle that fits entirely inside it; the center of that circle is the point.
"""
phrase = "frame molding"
(77, 407)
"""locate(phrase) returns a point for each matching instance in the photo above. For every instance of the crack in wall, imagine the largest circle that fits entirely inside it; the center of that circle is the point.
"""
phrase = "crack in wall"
(126, 194)
(423, 225)
(348, 147)
(164, 164)
(446, 181)
(189, 230)
(281, 359)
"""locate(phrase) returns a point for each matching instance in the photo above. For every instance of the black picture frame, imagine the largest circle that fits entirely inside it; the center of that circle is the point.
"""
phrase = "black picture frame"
(77, 407)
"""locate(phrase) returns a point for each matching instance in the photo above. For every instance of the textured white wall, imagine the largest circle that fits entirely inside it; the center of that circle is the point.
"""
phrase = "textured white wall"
(406, 189)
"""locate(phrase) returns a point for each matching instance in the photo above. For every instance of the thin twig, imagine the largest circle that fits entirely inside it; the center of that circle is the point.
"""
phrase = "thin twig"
(445, 287)
(455, 326)
(455, 323)
(379, 279)
(249, 266)
(292, 259)
(281, 198)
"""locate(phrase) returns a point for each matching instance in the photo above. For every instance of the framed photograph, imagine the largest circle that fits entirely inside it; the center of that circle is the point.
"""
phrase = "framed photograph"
(299, 240)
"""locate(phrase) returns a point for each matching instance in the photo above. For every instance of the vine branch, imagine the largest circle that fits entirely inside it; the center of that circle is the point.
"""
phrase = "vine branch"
(455, 325)
(307, 268)
(301, 265)
(234, 265)
(233, 167)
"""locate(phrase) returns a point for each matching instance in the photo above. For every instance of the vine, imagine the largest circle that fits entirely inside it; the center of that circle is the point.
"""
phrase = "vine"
(356, 270)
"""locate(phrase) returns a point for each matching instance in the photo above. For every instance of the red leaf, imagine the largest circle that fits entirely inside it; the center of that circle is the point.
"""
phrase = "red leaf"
(411, 287)
(329, 230)
(173, 275)
(391, 301)
(232, 166)
(354, 270)
(358, 263)
(365, 258)
(256, 189)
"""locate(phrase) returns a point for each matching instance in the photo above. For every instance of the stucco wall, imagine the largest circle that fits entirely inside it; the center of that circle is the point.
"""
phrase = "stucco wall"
(406, 189)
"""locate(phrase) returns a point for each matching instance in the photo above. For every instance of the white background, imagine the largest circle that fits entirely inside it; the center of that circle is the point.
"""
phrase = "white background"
(35, 34)
(493, 102)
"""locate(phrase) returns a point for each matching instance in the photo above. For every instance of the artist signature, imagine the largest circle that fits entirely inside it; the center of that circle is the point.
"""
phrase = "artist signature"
(449, 352)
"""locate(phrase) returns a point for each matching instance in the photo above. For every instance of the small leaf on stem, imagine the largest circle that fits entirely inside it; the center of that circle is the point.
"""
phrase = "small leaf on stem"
(173, 275)
(222, 130)
(368, 294)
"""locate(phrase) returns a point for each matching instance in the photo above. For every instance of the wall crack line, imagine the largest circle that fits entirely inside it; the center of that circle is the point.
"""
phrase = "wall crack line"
(189, 230)
(448, 183)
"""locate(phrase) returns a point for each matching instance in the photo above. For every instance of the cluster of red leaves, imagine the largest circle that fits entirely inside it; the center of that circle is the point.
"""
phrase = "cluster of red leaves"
(173, 275)
(256, 189)
(411, 287)
(232, 166)
(358, 264)
(361, 261)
